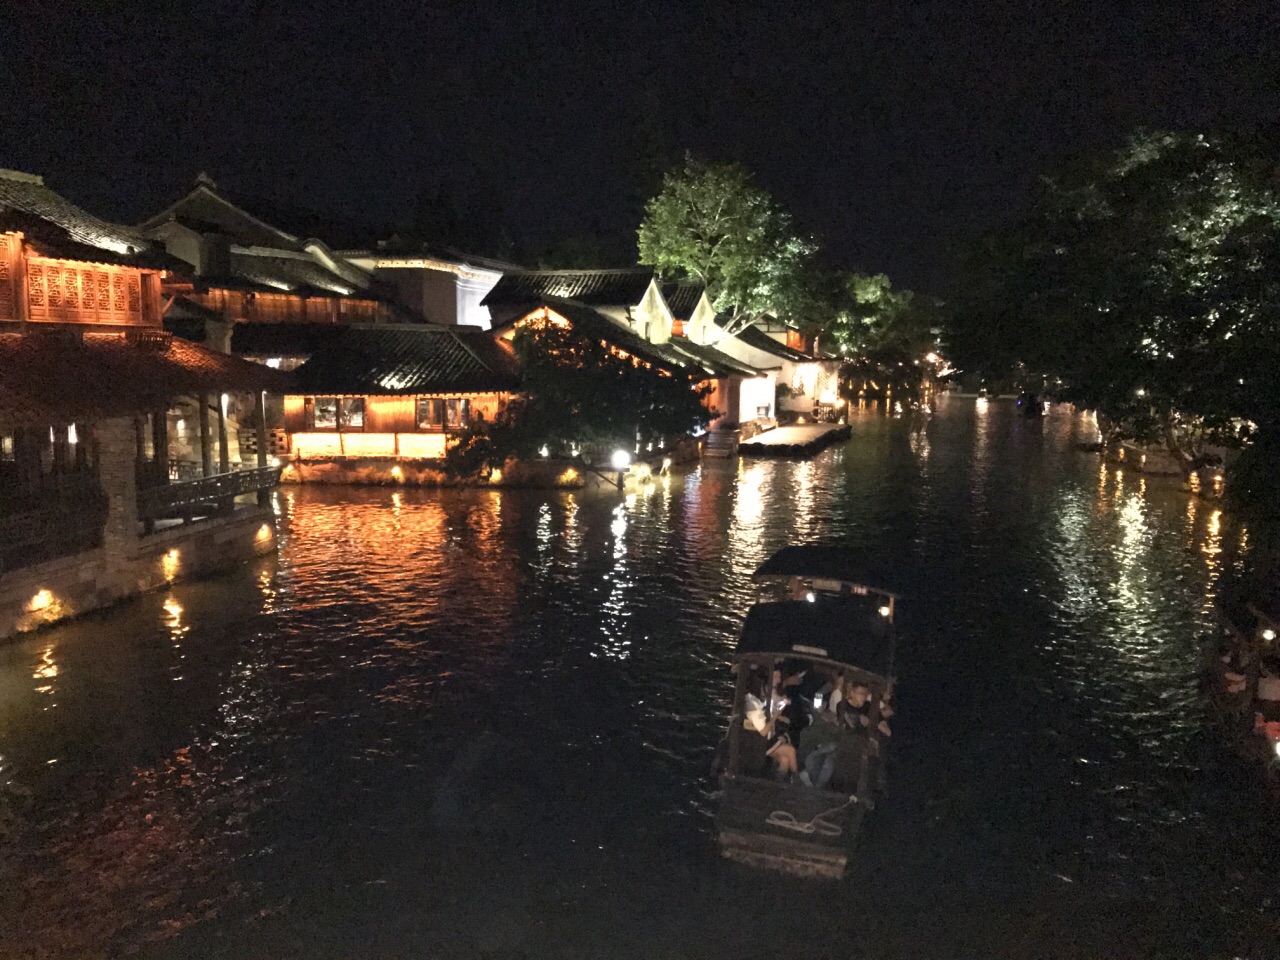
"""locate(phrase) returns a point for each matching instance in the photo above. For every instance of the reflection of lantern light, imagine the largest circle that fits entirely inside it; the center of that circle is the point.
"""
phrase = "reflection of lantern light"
(621, 459)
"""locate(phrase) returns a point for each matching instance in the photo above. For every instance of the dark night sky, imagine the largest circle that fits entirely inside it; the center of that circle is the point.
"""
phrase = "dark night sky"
(892, 130)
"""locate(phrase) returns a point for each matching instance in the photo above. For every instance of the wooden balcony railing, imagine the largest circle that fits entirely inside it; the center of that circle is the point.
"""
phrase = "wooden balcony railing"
(206, 496)
(58, 528)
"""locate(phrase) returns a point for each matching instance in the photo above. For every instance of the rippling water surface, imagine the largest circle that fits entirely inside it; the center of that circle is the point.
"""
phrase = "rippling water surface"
(479, 724)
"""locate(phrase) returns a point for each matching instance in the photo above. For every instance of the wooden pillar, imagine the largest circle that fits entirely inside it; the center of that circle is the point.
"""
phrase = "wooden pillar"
(260, 425)
(206, 441)
(140, 450)
(224, 448)
(160, 441)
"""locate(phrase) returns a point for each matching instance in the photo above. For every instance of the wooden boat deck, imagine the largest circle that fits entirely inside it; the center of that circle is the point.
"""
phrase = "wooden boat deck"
(748, 836)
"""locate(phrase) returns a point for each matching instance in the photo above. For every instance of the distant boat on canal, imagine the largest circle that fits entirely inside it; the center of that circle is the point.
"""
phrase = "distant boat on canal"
(808, 730)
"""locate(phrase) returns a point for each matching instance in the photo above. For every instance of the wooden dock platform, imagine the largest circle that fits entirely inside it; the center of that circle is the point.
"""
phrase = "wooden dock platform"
(799, 440)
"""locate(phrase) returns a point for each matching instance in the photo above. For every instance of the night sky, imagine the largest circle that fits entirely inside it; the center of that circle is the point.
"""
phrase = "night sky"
(893, 131)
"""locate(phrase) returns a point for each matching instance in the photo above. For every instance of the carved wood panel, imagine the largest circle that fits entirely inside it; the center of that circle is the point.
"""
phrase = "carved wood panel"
(67, 292)
(10, 249)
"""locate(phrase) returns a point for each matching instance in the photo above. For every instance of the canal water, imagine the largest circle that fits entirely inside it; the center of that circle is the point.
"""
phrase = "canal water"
(479, 724)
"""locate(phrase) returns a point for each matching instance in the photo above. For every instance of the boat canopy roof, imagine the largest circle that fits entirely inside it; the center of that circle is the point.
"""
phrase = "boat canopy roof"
(839, 564)
(847, 630)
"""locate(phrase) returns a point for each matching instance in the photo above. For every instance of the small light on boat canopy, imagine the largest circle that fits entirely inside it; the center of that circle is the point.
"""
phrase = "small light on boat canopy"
(885, 611)
(1268, 634)
(811, 596)
(812, 651)
(621, 459)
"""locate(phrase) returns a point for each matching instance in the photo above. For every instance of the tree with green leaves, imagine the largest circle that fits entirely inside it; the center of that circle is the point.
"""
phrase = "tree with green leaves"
(711, 222)
(582, 397)
(869, 314)
(1148, 281)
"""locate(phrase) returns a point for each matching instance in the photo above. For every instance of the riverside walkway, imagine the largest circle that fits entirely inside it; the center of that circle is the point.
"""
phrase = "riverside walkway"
(798, 440)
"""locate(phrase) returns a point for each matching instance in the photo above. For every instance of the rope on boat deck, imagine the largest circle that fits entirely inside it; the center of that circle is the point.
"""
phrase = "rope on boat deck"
(819, 824)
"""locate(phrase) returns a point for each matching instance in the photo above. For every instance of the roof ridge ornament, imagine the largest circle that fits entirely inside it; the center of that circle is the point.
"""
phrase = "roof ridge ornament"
(204, 180)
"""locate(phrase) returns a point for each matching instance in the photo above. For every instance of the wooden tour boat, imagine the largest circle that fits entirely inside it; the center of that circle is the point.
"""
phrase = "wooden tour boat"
(817, 612)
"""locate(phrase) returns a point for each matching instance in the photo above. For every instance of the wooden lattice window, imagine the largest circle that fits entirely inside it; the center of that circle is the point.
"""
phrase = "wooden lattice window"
(10, 250)
(81, 293)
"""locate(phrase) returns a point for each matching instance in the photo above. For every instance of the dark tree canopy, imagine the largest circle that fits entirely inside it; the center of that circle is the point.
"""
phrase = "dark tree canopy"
(581, 396)
(1148, 281)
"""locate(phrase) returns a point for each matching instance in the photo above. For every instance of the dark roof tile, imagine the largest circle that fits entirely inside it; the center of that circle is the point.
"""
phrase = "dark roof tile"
(58, 228)
(57, 376)
(408, 359)
(595, 288)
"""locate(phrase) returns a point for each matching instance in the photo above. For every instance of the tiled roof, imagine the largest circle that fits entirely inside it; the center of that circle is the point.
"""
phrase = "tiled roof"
(754, 337)
(409, 359)
(57, 376)
(673, 355)
(396, 249)
(682, 297)
(262, 257)
(204, 210)
(713, 359)
(291, 274)
(596, 288)
(61, 229)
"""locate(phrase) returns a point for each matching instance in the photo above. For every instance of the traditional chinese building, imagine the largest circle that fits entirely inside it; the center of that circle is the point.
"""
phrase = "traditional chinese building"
(384, 403)
(441, 285)
(241, 269)
(98, 406)
(628, 308)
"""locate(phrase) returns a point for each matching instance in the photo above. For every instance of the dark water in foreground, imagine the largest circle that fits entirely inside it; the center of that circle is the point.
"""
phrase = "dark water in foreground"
(479, 724)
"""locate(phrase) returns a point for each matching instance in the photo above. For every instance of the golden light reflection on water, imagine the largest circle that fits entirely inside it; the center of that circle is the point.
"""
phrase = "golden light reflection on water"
(45, 672)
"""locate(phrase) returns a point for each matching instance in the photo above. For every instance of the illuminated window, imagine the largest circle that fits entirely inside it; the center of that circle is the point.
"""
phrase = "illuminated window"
(325, 413)
(458, 412)
(352, 410)
(6, 447)
(431, 413)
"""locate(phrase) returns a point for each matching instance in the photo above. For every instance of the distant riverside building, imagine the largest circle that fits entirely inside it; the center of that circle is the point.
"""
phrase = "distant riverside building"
(120, 467)
(628, 309)
(371, 399)
(240, 269)
(440, 285)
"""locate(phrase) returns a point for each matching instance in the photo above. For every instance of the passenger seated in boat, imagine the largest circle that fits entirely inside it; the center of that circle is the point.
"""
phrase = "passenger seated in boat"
(855, 709)
(822, 738)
